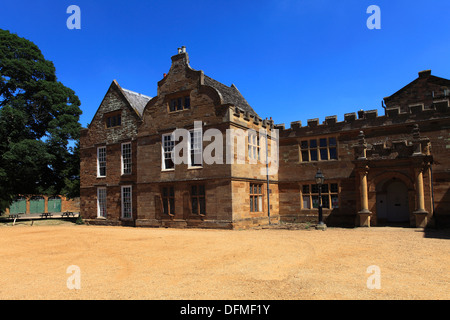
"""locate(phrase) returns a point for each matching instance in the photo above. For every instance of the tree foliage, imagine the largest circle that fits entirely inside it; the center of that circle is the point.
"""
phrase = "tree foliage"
(39, 121)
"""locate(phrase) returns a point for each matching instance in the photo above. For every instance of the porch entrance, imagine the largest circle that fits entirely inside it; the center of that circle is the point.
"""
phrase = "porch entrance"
(392, 202)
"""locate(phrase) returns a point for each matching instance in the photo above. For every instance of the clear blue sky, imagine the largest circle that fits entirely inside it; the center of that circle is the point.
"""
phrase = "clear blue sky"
(292, 60)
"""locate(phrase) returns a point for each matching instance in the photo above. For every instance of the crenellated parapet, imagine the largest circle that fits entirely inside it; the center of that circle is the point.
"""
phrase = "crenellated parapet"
(249, 120)
(370, 118)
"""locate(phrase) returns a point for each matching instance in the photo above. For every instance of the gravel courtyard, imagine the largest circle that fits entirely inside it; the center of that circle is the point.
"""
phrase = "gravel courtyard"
(132, 263)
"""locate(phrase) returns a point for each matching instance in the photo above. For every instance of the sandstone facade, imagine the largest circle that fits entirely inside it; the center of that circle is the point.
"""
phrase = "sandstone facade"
(378, 169)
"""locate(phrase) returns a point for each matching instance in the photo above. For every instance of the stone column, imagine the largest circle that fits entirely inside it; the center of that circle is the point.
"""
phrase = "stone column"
(420, 213)
(364, 213)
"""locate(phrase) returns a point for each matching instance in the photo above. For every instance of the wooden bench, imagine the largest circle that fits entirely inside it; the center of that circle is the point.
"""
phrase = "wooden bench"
(67, 214)
(46, 215)
(14, 217)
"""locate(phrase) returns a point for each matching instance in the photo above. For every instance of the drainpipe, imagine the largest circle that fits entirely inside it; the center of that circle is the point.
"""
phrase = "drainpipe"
(267, 174)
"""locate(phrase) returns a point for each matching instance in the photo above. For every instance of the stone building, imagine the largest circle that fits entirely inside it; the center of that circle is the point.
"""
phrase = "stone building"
(238, 170)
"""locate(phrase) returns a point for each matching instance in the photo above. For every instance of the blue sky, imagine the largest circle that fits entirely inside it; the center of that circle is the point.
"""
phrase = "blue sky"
(292, 60)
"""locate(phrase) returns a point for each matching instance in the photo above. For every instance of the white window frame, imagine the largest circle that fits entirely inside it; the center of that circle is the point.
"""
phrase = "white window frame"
(195, 147)
(126, 209)
(101, 202)
(254, 148)
(123, 146)
(164, 153)
(100, 162)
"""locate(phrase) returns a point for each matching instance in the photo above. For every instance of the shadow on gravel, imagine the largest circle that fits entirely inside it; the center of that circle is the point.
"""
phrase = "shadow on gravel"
(436, 233)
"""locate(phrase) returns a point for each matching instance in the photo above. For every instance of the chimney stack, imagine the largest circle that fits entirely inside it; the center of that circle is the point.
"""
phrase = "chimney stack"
(424, 74)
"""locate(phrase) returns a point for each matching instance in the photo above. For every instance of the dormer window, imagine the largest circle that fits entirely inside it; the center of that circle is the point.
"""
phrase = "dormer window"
(179, 104)
(113, 120)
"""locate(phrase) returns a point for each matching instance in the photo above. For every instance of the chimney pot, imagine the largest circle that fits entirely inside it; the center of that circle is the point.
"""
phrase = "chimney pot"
(425, 73)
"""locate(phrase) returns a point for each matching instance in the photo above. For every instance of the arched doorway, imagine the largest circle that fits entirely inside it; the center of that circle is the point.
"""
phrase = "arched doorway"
(392, 202)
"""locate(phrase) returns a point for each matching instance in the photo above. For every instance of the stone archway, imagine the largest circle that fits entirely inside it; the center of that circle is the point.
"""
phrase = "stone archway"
(394, 193)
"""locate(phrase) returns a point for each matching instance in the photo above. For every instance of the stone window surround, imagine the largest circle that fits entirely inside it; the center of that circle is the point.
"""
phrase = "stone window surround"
(101, 202)
(199, 197)
(114, 115)
(101, 162)
(126, 162)
(126, 193)
(318, 148)
(256, 194)
(194, 148)
(254, 147)
(174, 98)
(167, 146)
(310, 194)
(168, 196)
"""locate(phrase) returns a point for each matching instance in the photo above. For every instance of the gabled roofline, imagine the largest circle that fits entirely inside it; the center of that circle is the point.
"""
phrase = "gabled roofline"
(115, 85)
(422, 75)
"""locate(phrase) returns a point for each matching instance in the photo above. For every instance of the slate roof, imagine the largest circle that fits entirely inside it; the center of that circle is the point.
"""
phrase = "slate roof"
(230, 95)
(137, 101)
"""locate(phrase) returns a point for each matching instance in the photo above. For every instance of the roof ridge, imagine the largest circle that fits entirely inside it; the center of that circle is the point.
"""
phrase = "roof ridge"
(230, 94)
(137, 93)
(137, 101)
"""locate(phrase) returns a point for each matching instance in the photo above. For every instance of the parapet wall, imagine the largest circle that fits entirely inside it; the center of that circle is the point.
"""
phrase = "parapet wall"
(248, 120)
(369, 118)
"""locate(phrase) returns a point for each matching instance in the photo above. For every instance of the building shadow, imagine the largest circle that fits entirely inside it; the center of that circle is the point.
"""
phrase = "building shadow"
(441, 217)
(437, 233)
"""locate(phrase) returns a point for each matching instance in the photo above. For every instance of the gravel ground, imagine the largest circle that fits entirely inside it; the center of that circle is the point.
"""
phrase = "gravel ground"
(193, 264)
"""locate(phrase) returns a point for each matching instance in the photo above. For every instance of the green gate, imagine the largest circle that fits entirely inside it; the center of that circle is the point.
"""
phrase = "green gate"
(18, 206)
(54, 204)
(37, 205)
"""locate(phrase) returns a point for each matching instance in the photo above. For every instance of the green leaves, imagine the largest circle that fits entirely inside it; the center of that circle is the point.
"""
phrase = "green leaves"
(39, 117)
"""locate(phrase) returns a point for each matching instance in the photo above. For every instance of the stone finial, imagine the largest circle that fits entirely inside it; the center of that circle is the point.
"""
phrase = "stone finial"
(417, 144)
(361, 147)
(416, 132)
(361, 138)
(361, 114)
